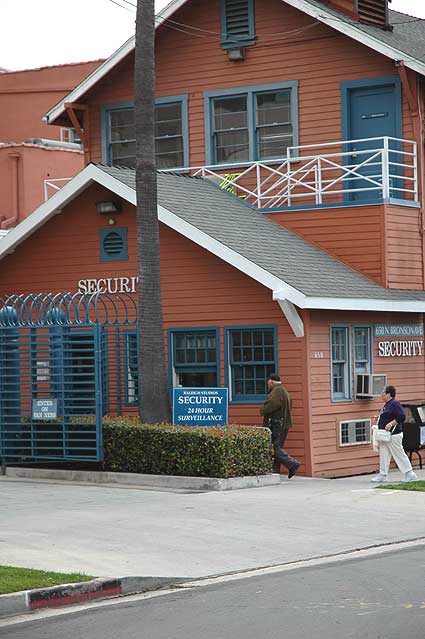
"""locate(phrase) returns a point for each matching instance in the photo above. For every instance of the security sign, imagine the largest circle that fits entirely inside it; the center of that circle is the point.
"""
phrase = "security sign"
(200, 406)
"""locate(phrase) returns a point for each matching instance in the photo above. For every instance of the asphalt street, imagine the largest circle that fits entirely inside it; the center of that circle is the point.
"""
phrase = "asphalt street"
(381, 596)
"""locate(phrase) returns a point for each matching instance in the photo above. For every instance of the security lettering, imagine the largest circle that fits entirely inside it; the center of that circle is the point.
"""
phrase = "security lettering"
(400, 348)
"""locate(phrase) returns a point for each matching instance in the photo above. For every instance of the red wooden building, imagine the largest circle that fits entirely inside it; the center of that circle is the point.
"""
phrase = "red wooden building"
(289, 137)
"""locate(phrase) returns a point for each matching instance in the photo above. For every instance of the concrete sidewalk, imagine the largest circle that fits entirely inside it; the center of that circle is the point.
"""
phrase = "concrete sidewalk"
(127, 531)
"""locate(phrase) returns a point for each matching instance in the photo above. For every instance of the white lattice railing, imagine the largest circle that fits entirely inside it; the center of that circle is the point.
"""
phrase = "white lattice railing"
(315, 174)
(52, 185)
(323, 173)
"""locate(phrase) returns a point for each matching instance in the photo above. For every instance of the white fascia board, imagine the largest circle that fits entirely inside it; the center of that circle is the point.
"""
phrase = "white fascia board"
(93, 174)
(108, 65)
(357, 34)
(282, 292)
(315, 12)
(364, 304)
(228, 255)
(204, 240)
(60, 199)
(46, 210)
(90, 80)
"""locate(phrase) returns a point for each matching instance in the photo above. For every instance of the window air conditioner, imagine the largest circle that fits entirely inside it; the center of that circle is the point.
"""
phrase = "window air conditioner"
(370, 385)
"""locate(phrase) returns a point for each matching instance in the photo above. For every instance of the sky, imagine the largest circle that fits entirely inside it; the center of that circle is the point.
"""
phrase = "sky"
(38, 33)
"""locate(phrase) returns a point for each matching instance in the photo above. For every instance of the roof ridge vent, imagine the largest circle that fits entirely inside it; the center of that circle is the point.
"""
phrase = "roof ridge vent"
(374, 12)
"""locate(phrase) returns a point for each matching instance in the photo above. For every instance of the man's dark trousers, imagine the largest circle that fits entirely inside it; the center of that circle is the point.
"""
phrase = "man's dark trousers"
(279, 435)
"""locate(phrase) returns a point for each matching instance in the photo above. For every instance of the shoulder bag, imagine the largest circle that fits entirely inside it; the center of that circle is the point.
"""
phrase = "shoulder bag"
(383, 435)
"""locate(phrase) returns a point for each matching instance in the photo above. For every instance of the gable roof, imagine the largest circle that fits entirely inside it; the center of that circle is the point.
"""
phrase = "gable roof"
(406, 42)
(223, 224)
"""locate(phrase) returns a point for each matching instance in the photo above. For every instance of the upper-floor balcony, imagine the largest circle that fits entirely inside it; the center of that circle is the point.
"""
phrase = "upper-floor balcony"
(343, 173)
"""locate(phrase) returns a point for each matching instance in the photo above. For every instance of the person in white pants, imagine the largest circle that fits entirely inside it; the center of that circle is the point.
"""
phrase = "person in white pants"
(392, 418)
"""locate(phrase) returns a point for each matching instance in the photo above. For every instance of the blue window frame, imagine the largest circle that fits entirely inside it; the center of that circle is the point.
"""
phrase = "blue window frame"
(195, 357)
(113, 244)
(362, 349)
(251, 123)
(340, 363)
(251, 356)
(237, 23)
(171, 133)
(351, 351)
(131, 349)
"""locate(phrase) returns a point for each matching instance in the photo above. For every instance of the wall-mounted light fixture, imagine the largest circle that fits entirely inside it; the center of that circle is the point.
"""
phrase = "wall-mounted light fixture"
(236, 54)
(109, 207)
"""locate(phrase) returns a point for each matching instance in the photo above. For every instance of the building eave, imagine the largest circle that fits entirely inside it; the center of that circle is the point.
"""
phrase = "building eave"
(318, 13)
(355, 33)
(76, 94)
(281, 290)
(356, 304)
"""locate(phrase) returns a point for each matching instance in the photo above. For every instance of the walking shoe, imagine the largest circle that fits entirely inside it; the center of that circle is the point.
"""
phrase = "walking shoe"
(379, 479)
(293, 469)
(410, 476)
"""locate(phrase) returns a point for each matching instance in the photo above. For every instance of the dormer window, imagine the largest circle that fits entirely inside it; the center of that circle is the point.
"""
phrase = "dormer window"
(237, 23)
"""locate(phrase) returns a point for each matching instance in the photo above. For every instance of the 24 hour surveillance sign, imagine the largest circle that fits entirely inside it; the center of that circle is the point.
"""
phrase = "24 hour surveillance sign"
(200, 406)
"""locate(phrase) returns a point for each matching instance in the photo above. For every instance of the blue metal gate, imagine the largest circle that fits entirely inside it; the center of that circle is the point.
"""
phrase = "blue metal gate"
(65, 362)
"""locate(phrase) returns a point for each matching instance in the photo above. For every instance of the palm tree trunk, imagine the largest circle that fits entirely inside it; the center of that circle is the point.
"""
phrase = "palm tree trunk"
(154, 404)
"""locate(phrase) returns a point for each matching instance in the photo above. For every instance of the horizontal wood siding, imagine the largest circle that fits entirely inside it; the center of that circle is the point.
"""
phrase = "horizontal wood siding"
(403, 241)
(354, 235)
(407, 374)
(198, 289)
(318, 58)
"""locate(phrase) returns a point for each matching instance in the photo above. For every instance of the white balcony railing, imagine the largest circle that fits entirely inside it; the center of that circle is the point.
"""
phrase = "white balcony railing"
(52, 185)
(317, 174)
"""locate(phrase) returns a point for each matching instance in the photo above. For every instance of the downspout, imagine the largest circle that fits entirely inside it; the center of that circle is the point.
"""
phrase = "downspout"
(415, 103)
(12, 221)
(421, 176)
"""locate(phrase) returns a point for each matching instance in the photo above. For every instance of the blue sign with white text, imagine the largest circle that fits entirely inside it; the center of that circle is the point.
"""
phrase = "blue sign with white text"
(44, 409)
(200, 406)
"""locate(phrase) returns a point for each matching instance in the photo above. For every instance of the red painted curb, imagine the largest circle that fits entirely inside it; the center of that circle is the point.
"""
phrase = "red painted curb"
(73, 593)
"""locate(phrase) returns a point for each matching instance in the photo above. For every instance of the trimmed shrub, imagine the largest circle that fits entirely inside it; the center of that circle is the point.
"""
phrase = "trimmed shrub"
(164, 449)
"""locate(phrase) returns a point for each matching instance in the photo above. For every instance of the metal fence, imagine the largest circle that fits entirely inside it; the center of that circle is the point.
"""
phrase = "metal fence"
(65, 361)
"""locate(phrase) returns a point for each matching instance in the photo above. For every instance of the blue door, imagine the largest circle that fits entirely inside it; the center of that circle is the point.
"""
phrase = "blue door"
(373, 112)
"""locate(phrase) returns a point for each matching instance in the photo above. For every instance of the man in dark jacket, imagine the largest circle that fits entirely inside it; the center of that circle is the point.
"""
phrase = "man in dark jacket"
(277, 416)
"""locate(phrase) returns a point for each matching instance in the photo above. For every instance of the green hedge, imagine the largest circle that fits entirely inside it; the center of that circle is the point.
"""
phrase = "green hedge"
(163, 449)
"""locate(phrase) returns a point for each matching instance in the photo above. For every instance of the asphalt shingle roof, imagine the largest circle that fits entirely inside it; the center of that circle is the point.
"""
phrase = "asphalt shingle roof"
(242, 228)
(408, 35)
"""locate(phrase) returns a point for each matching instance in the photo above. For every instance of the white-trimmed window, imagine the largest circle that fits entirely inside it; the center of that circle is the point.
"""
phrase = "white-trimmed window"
(340, 363)
(362, 349)
(351, 355)
(195, 357)
(171, 133)
(354, 431)
(251, 123)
